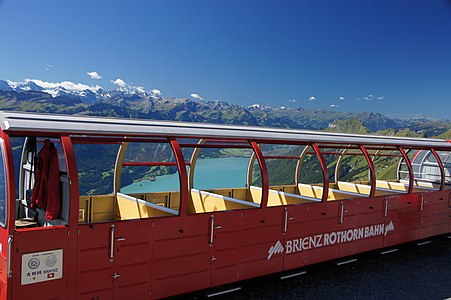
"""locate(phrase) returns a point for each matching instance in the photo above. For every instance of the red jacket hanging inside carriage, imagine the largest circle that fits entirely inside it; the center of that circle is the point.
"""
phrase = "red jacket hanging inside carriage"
(46, 190)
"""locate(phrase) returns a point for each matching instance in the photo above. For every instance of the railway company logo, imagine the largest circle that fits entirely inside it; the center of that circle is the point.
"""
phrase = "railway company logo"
(51, 260)
(276, 249)
(329, 239)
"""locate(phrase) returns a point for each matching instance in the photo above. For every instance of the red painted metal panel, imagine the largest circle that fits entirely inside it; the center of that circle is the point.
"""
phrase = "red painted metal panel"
(125, 274)
(439, 213)
(226, 247)
(262, 229)
(132, 259)
(371, 212)
(94, 268)
(37, 240)
(323, 218)
(297, 229)
(390, 213)
(181, 255)
(426, 200)
(350, 212)
(408, 227)
(404, 211)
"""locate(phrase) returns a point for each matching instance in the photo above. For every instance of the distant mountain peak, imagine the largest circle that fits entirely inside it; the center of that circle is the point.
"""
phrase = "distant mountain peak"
(4, 86)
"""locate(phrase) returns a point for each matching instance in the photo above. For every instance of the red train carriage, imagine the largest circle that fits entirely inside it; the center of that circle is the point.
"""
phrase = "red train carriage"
(96, 208)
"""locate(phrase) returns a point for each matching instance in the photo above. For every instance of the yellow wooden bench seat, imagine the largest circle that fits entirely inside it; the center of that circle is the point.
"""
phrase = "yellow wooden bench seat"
(202, 201)
(129, 207)
(365, 189)
(333, 193)
(278, 198)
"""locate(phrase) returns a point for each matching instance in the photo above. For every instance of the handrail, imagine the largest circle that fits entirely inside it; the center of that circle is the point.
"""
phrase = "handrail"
(9, 272)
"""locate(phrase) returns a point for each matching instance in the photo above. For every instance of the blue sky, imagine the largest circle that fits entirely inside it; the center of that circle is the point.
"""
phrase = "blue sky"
(388, 56)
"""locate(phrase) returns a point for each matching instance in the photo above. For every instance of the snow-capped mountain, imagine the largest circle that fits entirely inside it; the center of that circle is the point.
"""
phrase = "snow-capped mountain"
(131, 90)
(24, 86)
(87, 94)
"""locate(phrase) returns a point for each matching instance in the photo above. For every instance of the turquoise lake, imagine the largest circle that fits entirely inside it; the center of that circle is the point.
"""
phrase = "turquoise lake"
(210, 173)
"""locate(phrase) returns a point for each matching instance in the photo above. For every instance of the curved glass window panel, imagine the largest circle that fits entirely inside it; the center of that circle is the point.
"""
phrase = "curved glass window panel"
(295, 175)
(386, 164)
(221, 168)
(404, 169)
(425, 166)
(17, 144)
(354, 168)
(281, 162)
(149, 152)
(281, 171)
(429, 169)
(187, 151)
(95, 163)
(218, 178)
(149, 167)
(281, 150)
(310, 171)
(426, 171)
(417, 157)
(147, 179)
(256, 178)
(331, 156)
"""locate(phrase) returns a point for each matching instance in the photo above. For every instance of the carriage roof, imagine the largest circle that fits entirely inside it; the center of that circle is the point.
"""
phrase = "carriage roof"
(81, 125)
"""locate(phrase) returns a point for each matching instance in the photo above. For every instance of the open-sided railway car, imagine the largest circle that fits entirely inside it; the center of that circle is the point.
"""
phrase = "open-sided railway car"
(85, 212)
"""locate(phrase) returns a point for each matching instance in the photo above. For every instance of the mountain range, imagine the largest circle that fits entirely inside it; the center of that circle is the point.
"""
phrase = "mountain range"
(134, 102)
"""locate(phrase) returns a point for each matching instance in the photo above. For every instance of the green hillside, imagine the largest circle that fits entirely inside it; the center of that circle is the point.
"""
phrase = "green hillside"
(352, 125)
(446, 135)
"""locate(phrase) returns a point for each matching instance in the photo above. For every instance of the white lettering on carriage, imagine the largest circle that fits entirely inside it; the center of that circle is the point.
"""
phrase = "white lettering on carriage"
(329, 239)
